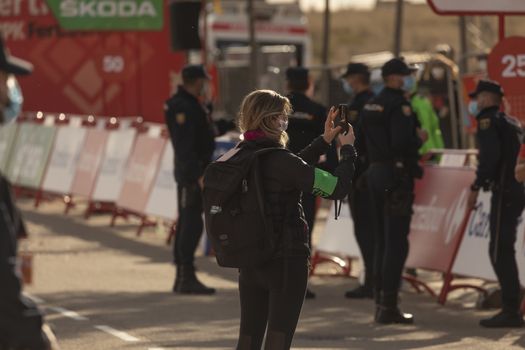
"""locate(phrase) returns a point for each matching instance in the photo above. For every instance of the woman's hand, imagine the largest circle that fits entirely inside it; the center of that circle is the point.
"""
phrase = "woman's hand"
(349, 138)
(329, 131)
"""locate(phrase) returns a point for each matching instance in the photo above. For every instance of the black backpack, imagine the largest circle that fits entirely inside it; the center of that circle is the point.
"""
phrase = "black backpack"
(238, 227)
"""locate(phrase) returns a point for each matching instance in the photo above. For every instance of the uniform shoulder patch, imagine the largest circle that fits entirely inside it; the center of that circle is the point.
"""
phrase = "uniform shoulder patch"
(374, 107)
(407, 110)
(353, 115)
(484, 124)
(180, 118)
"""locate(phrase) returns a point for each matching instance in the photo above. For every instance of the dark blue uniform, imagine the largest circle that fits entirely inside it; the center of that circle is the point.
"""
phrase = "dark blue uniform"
(20, 319)
(359, 198)
(192, 137)
(306, 124)
(392, 147)
(499, 146)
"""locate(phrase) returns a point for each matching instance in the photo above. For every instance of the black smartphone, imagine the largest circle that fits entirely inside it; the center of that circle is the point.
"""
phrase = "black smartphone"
(342, 118)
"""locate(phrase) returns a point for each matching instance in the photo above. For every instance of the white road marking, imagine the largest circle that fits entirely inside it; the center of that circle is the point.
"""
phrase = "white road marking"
(68, 313)
(116, 333)
(35, 299)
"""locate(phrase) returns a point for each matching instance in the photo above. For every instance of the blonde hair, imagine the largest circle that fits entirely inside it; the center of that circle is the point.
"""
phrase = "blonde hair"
(259, 110)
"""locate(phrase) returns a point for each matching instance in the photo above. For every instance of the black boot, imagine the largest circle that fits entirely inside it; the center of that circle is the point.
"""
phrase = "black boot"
(178, 275)
(186, 282)
(388, 312)
(361, 292)
(504, 319)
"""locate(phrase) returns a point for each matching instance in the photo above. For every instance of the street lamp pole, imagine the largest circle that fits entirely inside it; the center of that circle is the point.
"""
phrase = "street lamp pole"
(254, 76)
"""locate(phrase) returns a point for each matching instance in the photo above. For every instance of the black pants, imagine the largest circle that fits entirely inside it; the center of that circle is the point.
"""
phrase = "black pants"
(271, 297)
(308, 202)
(190, 225)
(361, 210)
(20, 319)
(506, 208)
(391, 226)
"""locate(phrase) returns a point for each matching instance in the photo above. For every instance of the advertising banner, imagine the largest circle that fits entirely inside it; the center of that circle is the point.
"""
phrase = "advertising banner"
(162, 201)
(108, 14)
(440, 207)
(30, 154)
(7, 138)
(140, 173)
(221, 147)
(338, 237)
(473, 258)
(64, 157)
(89, 162)
(111, 176)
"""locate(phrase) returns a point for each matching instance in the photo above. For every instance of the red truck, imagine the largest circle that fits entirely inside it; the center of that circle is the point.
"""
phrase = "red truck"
(116, 58)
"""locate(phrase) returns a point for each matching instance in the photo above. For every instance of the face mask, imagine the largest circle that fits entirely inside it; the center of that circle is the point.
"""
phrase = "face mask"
(377, 87)
(347, 87)
(409, 83)
(283, 125)
(14, 107)
(473, 107)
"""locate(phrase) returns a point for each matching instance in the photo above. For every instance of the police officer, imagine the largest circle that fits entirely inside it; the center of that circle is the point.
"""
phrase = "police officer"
(306, 123)
(192, 137)
(356, 80)
(21, 322)
(392, 145)
(498, 138)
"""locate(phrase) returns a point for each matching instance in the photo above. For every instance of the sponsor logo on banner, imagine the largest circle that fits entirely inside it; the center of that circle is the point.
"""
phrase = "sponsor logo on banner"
(108, 14)
(479, 222)
(430, 217)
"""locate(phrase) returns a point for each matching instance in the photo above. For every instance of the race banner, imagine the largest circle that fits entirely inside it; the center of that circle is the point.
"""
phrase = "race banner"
(7, 137)
(440, 207)
(111, 176)
(89, 162)
(64, 157)
(140, 173)
(163, 198)
(108, 14)
(222, 146)
(475, 245)
(30, 155)
(338, 237)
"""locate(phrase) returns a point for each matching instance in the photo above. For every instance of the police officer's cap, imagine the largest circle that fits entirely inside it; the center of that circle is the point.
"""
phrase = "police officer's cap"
(194, 71)
(356, 68)
(487, 86)
(296, 74)
(11, 64)
(396, 66)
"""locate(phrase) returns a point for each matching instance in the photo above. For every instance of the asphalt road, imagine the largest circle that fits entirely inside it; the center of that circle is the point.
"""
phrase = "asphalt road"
(104, 288)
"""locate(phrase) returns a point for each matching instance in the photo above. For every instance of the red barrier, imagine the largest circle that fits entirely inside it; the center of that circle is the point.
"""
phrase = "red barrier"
(439, 223)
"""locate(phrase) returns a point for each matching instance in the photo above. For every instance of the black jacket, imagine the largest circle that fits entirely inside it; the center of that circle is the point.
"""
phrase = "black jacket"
(192, 136)
(287, 175)
(389, 125)
(306, 122)
(355, 108)
(499, 145)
